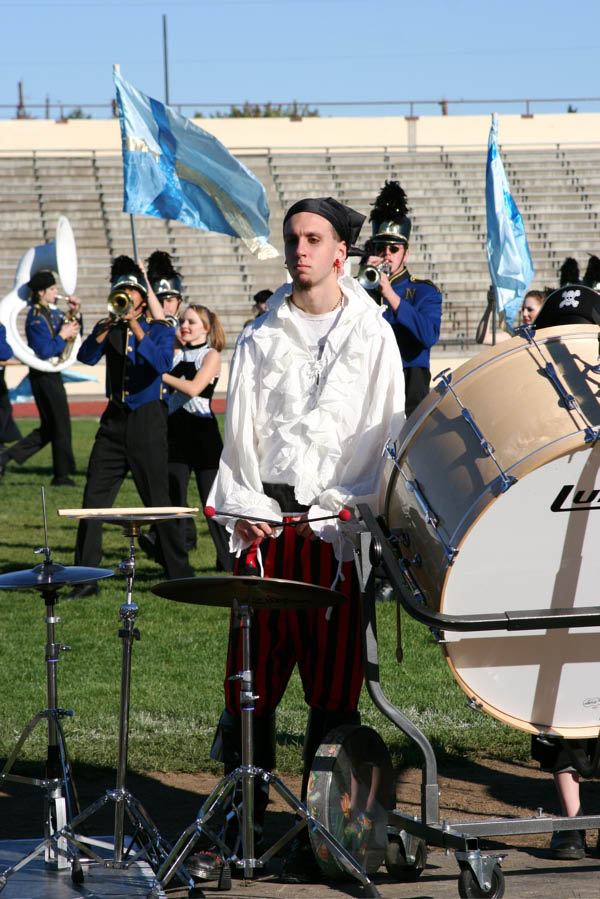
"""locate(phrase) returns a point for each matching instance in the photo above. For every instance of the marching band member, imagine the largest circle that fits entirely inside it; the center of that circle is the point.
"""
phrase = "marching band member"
(47, 332)
(259, 304)
(133, 429)
(413, 306)
(165, 281)
(315, 391)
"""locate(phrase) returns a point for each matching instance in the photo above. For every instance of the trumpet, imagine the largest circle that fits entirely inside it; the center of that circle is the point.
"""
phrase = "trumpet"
(369, 276)
(118, 303)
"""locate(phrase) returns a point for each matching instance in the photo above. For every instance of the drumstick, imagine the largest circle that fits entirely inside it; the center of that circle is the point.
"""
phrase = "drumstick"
(343, 515)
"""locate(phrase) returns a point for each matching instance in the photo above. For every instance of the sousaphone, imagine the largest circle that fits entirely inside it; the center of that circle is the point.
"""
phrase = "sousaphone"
(59, 255)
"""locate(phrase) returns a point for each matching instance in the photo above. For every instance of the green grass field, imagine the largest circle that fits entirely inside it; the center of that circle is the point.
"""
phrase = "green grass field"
(178, 664)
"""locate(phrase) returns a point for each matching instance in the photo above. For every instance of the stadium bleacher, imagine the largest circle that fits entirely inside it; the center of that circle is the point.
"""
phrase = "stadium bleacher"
(557, 191)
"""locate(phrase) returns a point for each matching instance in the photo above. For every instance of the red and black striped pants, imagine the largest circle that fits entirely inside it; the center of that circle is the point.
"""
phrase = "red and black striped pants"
(327, 650)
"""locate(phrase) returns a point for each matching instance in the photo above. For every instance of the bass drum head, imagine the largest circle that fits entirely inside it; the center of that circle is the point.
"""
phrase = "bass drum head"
(536, 547)
(350, 791)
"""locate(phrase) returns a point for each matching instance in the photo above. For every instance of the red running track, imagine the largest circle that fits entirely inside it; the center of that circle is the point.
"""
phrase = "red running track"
(88, 408)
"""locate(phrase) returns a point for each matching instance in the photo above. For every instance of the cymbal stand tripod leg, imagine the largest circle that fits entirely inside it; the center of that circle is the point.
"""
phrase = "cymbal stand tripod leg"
(151, 846)
(61, 793)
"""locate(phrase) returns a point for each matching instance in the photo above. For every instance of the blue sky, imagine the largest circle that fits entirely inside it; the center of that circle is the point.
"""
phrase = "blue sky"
(230, 51)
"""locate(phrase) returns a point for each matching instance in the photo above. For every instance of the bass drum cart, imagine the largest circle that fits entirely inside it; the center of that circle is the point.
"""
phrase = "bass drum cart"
(489, 536)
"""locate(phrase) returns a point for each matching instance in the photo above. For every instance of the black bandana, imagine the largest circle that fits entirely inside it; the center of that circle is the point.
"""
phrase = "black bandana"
(346, 221)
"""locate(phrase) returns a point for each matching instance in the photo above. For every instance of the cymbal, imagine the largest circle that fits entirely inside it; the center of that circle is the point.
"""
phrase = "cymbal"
(258, 592)
(119, 516)
(49, 575)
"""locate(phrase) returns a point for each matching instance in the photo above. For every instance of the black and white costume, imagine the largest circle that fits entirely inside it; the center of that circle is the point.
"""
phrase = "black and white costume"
(195, 443)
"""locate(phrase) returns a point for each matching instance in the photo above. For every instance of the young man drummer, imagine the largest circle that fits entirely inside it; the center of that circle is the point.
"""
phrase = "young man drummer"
(315, 392)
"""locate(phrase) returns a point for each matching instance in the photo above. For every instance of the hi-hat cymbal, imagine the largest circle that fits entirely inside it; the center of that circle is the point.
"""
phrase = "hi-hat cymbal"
(49, 575)
(258, 592)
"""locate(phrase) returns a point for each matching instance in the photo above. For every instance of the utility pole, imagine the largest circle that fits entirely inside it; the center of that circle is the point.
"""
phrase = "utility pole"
(166, 59)
(20, 105)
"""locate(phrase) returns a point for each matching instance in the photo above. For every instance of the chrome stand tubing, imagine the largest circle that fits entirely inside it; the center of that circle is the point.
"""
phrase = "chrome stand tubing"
(247, 698)
(128, 633)
(146, 842)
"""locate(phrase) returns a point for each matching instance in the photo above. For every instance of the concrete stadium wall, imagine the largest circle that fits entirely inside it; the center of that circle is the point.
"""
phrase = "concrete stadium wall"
(421, 133)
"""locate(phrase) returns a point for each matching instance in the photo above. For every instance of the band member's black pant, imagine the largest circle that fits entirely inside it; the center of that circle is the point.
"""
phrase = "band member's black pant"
(416, 387)
(130, 441)
(9, 432)
(55, 424)
(179, 476)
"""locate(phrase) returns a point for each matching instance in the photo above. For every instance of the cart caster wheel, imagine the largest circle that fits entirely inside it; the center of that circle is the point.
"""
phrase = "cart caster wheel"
(398, 865)
(468, 888)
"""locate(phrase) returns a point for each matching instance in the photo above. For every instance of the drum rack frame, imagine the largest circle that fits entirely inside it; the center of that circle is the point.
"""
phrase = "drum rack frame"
(482, 871)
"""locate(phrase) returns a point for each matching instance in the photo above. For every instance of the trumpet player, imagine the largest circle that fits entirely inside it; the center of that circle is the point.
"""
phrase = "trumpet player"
(48, 332)
(413, 306)
(132, 436)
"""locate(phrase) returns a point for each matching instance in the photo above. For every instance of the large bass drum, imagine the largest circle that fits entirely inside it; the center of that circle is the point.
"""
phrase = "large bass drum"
(496, 497)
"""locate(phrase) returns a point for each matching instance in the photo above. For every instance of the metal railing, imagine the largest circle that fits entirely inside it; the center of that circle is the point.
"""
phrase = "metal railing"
(62, 111)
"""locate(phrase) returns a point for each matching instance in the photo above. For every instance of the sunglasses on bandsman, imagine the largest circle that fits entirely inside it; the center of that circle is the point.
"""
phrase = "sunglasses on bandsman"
(392, 247)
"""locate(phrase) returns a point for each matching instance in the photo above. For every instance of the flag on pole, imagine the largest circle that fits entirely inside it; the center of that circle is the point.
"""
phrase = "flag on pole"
(509, 259)
(174, 170)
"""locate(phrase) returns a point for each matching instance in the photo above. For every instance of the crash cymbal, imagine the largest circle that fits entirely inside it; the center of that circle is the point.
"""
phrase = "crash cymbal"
(49, 575)
(120, 516)
(258, 592)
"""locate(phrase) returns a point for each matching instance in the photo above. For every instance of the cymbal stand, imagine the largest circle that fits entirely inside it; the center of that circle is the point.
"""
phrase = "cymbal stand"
(146, 836)
(58, 783)
(247, 772)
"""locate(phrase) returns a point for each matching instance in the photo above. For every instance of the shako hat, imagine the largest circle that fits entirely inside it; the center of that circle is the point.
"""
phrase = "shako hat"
(389, 217)
(124, 272)
(164, 279)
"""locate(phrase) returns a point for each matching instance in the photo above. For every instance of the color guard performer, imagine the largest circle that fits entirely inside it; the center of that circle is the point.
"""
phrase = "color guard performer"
(315, 392)
(132, 436)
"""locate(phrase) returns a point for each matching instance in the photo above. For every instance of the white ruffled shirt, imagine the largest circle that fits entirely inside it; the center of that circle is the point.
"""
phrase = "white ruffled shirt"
(318, 425)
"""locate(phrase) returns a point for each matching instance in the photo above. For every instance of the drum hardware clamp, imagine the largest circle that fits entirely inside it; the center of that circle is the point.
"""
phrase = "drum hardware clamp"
(430, 516)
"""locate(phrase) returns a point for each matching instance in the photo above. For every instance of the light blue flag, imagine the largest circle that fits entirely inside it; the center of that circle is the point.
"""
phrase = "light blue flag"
(509, 259)
(174, 170)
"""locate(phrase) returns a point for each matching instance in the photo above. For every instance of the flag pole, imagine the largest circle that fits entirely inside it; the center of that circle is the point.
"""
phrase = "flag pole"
(133, 236)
